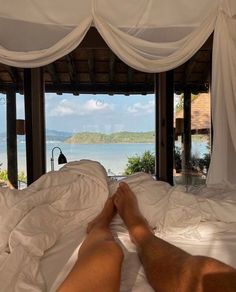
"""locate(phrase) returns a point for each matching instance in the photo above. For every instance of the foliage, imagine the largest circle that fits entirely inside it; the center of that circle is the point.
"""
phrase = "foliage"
(177, 159)
(196, 163)
(119, 137)
(180, 104)
(22, 177)
(202, 163)
(4, 176)
(145, 163)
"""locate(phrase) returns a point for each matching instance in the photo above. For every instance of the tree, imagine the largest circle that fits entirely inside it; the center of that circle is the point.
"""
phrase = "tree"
(145, 163)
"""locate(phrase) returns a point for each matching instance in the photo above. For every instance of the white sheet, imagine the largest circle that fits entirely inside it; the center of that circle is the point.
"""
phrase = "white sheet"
(193, 222)
(41, 215)
(43, 226)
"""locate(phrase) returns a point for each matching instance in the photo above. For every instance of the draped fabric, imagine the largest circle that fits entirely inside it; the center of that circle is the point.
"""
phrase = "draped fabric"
(223, 162)
(148, 35)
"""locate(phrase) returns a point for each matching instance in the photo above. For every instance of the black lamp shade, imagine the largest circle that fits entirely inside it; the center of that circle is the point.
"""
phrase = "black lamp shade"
(62, 159)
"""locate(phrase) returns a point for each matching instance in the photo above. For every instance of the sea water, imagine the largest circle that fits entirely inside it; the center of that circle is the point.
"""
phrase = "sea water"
(114, 157)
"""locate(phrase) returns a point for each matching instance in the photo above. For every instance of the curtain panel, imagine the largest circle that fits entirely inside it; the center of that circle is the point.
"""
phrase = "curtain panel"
(148, 35)
(223, 162)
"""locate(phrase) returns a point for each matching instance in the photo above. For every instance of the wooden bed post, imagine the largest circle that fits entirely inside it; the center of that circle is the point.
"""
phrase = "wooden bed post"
(35, 123)
(11, 138)
(165, 121)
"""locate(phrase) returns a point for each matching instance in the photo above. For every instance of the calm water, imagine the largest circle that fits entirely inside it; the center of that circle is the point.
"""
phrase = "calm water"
(114, 157)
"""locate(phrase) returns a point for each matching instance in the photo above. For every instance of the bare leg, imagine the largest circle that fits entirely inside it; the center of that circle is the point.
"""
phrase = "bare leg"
(98, 267)
(167, 267)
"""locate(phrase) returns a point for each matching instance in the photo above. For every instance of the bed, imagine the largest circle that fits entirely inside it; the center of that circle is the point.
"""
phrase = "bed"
(43, 226)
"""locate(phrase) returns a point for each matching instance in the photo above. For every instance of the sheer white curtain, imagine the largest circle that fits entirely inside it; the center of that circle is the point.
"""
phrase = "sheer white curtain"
(35, 33)
(149, 35)
(223, 163)
(155, 35)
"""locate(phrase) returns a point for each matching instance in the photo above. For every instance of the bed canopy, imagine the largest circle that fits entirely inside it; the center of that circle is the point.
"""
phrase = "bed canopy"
(149, 35)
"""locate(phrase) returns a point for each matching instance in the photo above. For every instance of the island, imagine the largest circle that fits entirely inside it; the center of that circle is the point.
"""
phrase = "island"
(119, 137)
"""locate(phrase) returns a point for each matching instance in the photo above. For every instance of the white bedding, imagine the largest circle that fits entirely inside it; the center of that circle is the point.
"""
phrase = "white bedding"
(42, 227)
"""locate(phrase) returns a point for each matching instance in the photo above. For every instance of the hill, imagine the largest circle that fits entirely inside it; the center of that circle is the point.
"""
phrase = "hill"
(119, 137)
(51, 135)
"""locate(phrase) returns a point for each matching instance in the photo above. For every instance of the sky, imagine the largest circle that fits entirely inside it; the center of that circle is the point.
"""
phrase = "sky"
(92, 113)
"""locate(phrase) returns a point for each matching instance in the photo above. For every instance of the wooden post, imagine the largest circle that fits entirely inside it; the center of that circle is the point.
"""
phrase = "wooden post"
(157, 154)
(187, 140)
(11, 139)
(166, 139)
(34, 123)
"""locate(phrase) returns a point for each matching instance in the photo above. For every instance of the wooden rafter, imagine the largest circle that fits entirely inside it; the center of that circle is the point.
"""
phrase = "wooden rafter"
(53, 72)
(206, 72)
(189, 69)
(112, 67)
(14, 74)
(72, 72)
(130, 75)
(91, 65)
(55, 77)
(72, 68)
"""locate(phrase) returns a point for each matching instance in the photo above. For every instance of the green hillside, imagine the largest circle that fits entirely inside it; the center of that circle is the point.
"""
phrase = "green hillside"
(120, 137)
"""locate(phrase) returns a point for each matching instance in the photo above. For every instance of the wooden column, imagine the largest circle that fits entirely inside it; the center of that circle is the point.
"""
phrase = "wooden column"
(34, 123)
(187, 139)
(166, 111)
(156, 126)
(11, 138)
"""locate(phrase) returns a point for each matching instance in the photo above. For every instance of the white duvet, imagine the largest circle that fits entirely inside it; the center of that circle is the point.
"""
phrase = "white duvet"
(42, 226)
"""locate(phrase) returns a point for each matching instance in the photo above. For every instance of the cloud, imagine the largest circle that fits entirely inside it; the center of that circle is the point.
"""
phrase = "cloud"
(142, 108)
(67, 108)
(93, 105)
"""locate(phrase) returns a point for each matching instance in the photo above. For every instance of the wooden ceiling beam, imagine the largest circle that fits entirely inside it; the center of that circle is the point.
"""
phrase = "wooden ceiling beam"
(100, 88)
(135, 88)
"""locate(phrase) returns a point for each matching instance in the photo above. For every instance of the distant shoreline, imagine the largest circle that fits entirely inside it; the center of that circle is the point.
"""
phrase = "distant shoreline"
(89, 138)
(113, 138)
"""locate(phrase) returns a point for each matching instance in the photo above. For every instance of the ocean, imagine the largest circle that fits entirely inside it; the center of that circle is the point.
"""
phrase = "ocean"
(113, 157)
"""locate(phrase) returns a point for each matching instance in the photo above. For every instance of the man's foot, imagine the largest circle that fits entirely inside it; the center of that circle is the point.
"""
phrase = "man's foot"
(103, 220)
(128, 209)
